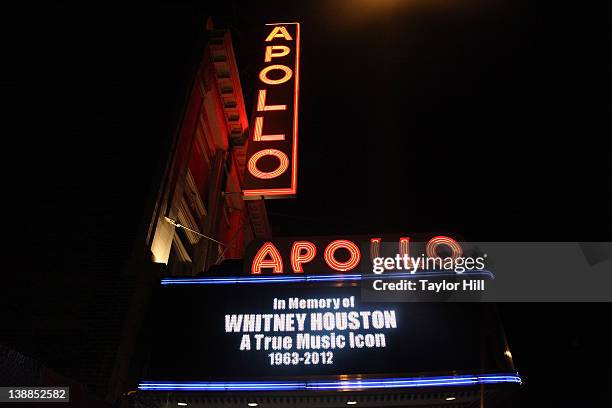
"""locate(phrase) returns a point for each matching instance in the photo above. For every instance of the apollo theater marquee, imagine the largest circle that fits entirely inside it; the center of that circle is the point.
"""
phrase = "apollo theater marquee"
(291, 328)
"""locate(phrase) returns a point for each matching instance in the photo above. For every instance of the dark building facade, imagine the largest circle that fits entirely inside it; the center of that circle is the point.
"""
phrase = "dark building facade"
(193, 219)
(198, 218)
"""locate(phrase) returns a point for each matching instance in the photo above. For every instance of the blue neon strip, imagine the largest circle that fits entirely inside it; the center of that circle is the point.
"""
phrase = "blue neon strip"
(362, 384)
(315, 278)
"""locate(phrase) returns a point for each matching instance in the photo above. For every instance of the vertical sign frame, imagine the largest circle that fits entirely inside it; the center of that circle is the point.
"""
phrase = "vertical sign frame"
(272, 149)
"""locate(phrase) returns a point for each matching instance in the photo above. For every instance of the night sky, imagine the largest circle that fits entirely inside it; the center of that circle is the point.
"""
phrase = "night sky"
(490, 119)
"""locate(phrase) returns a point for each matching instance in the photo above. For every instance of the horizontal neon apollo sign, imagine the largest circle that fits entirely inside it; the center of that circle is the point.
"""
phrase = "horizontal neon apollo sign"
(303, 252)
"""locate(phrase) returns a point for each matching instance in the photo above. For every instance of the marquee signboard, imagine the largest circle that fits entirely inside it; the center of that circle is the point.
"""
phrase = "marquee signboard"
(297, 320)
(219, 335)
(271, 162)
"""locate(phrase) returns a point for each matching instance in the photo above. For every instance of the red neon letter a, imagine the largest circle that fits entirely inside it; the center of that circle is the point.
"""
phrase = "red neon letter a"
(259, 262)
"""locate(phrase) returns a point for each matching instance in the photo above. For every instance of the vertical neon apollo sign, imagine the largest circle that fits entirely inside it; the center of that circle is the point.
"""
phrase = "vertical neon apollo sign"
(271, 160)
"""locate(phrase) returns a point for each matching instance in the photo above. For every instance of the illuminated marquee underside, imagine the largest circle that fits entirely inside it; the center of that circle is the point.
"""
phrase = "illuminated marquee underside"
(271, 162)
(339, 385)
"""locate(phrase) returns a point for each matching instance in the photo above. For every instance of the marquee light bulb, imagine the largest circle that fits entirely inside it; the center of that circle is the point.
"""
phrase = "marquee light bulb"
(252, 404)
(351, 402)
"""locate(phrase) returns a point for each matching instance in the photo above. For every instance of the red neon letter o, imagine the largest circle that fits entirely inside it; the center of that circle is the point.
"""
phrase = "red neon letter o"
(282, 166)
(263, 75)
(435, 242)
(353, 261)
